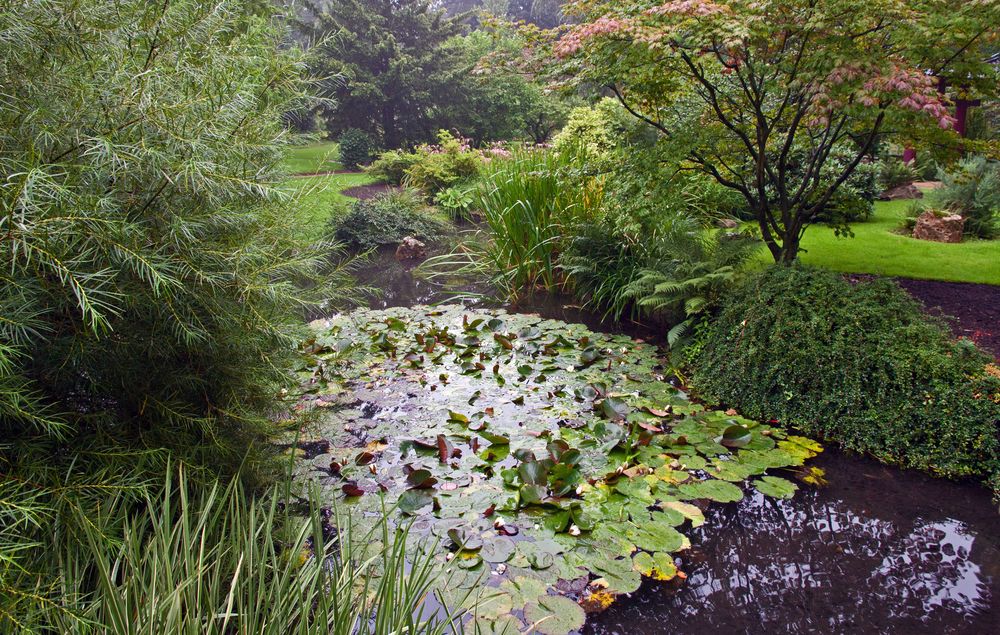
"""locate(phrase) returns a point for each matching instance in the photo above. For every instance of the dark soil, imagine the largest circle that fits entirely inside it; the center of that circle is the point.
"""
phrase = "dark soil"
(975, 308)
(365, 192)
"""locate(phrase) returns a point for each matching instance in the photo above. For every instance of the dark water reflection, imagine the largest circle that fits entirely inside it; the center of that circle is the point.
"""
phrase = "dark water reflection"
(878, 550)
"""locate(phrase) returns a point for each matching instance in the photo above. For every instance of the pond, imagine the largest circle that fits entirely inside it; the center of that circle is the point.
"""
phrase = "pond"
(874, 550)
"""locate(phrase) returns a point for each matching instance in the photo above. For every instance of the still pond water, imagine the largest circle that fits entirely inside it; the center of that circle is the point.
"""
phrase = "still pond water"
(877, 550)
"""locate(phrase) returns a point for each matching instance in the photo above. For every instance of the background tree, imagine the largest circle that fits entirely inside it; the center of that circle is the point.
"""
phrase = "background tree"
(491, 103)
(391, 64)
(759, 93)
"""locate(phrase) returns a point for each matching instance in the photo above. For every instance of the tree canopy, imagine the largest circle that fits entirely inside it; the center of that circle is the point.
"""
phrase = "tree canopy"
(760, 94)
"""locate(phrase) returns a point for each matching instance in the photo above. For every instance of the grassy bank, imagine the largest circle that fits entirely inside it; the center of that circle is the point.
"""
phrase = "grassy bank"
(877, 249)
(320, 192)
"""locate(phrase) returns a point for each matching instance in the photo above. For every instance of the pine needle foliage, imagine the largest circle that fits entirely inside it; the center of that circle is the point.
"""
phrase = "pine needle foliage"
(150, 282)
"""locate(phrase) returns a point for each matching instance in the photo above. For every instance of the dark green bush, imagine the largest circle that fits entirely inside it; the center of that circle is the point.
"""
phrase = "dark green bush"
(356, 148)
(388, 219)
(857, 363)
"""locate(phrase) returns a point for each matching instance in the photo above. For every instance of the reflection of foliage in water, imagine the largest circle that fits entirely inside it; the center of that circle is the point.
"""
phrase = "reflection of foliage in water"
(819, 564)
(548, 465)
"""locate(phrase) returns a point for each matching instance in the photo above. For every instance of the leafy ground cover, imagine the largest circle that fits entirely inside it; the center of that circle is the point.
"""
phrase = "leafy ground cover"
(876, 248)
(548, 468)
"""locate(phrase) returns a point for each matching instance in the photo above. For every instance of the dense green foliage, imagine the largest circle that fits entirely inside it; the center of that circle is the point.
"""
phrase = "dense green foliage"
(893, 173)
(533, 202)
(390, 60)
(147, 307)
(387, 219)
(402, 70)
(673, 271)
(356, 147)
(972, 190)
(858, 363)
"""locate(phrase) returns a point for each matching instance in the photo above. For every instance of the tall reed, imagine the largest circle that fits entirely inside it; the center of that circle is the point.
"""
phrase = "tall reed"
(530, 202)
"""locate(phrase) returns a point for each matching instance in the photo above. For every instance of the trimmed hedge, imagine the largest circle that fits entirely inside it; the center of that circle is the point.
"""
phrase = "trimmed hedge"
(856, 363)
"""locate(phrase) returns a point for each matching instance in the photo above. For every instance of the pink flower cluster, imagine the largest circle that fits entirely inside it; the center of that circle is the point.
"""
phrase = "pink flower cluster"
(572, 42)
(696, 8)
(496, 150)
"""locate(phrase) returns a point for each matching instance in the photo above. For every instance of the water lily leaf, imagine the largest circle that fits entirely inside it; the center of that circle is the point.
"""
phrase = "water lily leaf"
(658, 566)
(495, 439)
(617, 575)
(468, 560)
(523, 589)
(490, 603)
(352, 489)
(420, 479)
(503, 341)
(689, 511)
(655, 537)
(502, 625)
(457, 417)
(465, 540)
(719, 491)
(735, 436)
(775, 487)
(614, 409)
(414, 501)
(533, 473)
(554, 615)
(497, 549)
(532, 494)
(557, 521)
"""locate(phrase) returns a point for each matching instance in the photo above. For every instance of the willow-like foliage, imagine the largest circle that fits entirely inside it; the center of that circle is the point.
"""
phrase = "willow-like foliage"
(151, 278)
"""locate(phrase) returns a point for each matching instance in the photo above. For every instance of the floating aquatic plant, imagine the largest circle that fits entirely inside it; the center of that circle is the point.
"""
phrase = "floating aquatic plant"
(546, 466)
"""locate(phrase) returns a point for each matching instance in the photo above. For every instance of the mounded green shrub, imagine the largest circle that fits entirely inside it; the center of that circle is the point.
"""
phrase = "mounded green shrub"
(388, 219)
(356, 148)
(857, 363)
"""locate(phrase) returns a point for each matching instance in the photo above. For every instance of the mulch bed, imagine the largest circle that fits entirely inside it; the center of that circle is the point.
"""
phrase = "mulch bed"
(365, 192)
(975, 307)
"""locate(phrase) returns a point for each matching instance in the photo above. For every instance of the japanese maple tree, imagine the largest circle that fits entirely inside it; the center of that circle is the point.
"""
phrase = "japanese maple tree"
(760, 94)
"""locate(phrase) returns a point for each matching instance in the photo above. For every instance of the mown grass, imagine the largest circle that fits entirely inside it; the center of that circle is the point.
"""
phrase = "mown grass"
(320, 196)
(313, 158)
(876, 248)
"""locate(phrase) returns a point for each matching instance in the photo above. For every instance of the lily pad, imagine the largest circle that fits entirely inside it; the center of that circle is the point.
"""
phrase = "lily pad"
(776, 487)
(497, 549)
(719, 491)
(658, 566)
(554, 615)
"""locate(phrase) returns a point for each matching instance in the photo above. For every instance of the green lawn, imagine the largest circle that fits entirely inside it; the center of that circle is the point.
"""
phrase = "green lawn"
(876, 249)
(320, 197)
(313, 158)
